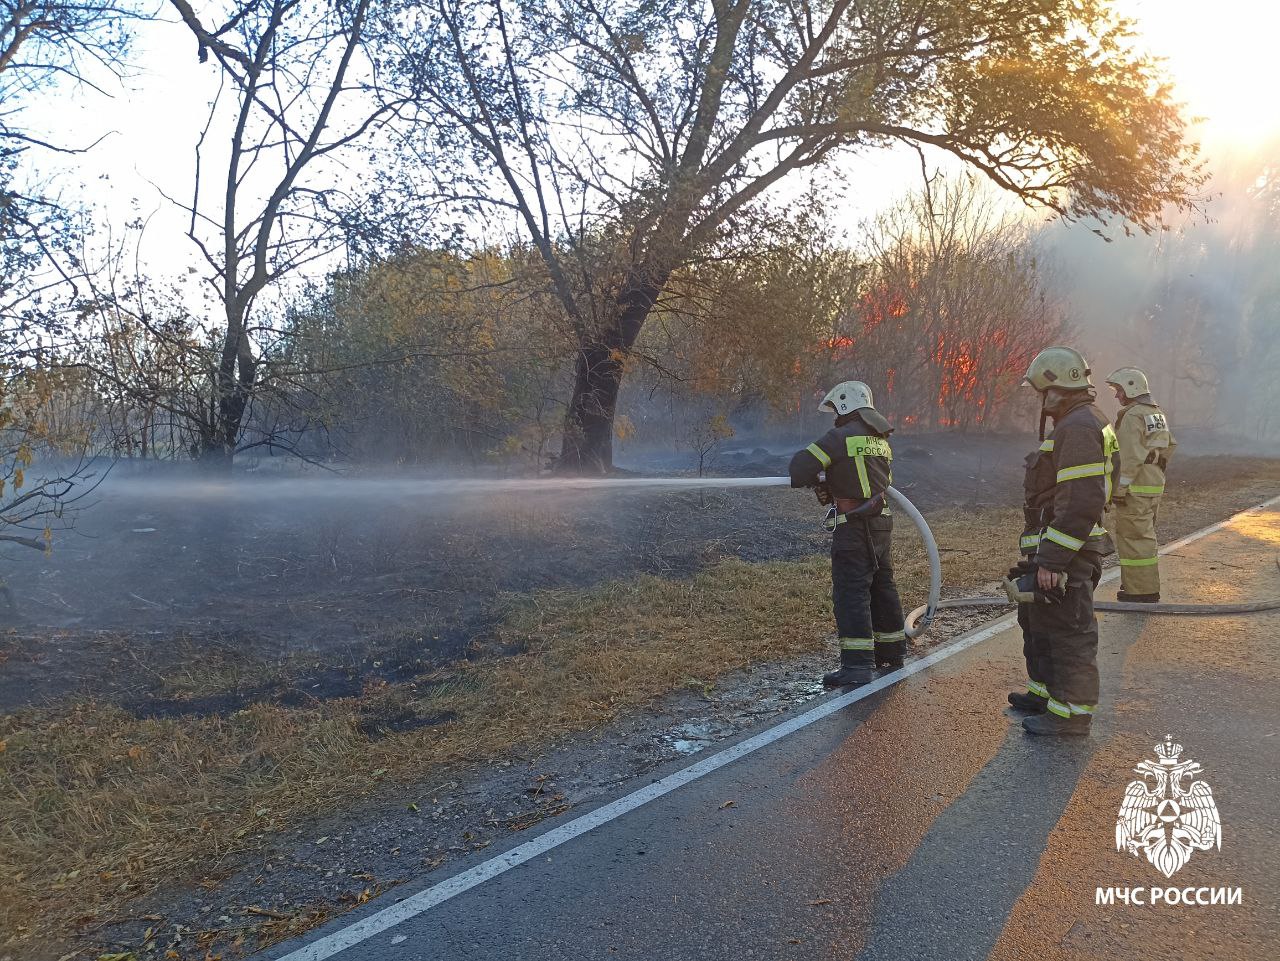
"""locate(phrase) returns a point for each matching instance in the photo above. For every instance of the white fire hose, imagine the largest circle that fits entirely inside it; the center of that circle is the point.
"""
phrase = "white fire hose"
(919, 620)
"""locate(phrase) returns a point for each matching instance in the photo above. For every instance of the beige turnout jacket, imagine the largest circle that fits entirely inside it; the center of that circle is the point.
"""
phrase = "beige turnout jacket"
(1146, 445)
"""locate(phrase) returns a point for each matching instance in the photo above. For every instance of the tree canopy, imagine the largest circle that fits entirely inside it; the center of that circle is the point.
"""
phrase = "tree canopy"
(627, 139)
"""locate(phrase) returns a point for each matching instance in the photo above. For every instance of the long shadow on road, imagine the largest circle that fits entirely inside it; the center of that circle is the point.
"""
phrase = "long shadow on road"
(952, 899)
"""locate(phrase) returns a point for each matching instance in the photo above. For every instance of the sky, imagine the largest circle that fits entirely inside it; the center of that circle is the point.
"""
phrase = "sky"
(1221, 56)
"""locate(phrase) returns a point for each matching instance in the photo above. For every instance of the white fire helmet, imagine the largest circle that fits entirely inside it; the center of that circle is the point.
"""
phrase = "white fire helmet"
(1062, 367)
(846, 397)
(1131, 381)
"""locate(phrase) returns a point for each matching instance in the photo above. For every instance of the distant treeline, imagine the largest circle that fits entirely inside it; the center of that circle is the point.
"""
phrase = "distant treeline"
(429, 357)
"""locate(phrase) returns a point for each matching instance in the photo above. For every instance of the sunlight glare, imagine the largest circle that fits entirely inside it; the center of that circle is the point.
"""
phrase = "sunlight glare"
(1222, 59)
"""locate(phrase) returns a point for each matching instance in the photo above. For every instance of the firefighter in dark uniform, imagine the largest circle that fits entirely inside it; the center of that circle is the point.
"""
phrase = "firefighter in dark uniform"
(1067, 486)
(850, 467)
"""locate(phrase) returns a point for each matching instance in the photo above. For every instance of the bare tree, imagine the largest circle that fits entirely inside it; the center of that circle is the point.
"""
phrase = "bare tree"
(627, 138)
(272, 201)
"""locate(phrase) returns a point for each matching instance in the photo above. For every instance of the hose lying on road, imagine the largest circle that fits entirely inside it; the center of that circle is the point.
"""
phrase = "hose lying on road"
(928, 611)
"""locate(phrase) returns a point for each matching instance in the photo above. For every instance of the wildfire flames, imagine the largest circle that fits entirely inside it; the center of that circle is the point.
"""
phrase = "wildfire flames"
(961, 372)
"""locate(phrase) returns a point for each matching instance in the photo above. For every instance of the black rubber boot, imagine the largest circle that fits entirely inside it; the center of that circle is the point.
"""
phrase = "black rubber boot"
(890, 654)
(1137, 598)
(1049, 724)
(1031, 703)
(856, 667)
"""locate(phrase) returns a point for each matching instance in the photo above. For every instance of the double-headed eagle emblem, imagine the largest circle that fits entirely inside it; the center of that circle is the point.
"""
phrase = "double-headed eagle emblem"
(1164, 820)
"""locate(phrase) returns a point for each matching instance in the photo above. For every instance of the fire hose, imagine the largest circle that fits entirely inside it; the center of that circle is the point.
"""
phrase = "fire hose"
(920, 619)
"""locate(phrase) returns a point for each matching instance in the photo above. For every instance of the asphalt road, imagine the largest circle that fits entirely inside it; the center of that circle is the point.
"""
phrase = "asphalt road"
(918, 822)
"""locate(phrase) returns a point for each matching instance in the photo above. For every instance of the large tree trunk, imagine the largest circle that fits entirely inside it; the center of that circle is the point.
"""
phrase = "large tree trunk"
(588, 424)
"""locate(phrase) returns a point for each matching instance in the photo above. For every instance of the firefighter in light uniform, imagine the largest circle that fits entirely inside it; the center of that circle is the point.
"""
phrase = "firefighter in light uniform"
(857, 462)
(1067, 486)
(1146, 445)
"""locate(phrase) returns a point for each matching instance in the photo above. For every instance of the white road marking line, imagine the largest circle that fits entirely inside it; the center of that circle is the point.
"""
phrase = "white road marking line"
(424, 900)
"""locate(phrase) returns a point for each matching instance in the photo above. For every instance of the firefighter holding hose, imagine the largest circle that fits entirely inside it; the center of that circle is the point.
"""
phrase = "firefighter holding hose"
(1146, 445)
(1067, 486)
(850, 467)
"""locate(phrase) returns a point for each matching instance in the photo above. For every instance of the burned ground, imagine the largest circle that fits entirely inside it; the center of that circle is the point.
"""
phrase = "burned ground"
(289, 589)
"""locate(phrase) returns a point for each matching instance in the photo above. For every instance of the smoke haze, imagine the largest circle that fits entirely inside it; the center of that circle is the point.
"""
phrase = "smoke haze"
(1197, 307)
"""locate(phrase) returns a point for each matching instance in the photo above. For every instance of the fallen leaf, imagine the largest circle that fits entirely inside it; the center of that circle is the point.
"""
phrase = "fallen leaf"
(119, 956)
(413, 807)
(820, 901)
(728, 804)
(3, 745)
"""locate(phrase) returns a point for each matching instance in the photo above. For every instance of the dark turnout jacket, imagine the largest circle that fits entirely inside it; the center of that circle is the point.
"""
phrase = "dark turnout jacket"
(855, 455)
(1067, 486)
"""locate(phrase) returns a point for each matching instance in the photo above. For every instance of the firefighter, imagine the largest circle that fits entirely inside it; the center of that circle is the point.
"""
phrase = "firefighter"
(1067, 486)
(1146, 445)
(850, 467)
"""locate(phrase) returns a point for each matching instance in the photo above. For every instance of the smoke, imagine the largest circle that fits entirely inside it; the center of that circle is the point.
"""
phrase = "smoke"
(1197, 307)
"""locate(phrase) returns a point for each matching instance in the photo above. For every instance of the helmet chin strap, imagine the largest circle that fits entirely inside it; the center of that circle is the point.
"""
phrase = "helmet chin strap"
(1044, 413)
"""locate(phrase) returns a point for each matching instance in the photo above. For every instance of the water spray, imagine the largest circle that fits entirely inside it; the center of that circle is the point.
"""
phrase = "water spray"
(918, 621)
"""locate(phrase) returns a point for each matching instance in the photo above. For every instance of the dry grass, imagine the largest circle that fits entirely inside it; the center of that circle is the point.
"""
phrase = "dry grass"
(98, 806)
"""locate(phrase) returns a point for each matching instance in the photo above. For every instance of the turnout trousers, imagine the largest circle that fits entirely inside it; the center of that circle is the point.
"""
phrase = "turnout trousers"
(1136, 544)
(863, 593)
(1060, 642)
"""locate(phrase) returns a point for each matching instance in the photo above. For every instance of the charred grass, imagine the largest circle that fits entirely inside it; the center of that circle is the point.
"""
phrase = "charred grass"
(99, 805)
